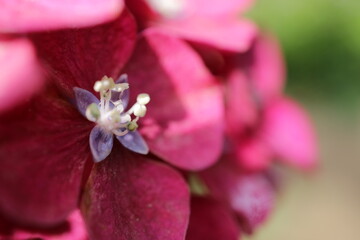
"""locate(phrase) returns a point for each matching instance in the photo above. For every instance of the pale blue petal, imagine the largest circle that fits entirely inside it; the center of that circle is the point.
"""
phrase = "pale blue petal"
(134, 142)
(101, 143)
(83, 99)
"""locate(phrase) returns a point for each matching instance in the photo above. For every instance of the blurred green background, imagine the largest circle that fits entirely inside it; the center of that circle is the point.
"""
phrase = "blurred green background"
(321, 43)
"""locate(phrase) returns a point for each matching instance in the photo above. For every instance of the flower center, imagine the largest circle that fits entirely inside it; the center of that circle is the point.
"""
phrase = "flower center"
(168, 8)
(110, 112)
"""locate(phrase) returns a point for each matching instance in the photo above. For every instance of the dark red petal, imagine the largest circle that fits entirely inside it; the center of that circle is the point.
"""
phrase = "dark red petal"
(129, 196)
(289, 132)
(43, 148)
(142, 11)
(211, 220)
(251, 196)
(77, 58)
(20, 75)
(211, 32)
(72, 229)
(267, 68)
(23, 15)
(184, 122)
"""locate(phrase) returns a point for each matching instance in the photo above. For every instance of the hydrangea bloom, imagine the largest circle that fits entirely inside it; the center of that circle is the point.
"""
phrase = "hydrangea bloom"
(54, 130)
(45, 158)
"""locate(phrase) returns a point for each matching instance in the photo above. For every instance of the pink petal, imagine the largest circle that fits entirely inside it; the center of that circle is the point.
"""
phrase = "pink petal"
(23, 15)
(211, 220)
(73, 228)
(184, 122)
(43, 148)
(229, 34)
(253, 154)
(251, 196)
(20, 75)
(241, 108)
(289, 132)
(77, 58)
(216, 8)
(267, 67)
(129, 196)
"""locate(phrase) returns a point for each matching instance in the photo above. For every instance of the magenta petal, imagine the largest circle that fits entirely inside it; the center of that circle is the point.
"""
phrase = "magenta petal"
(251, 196)
(20, 75)
(267, 68)
(43, 148)
(289, 132)
(253, 154)
(23, 15)
(241, 108)
(72, 229)
(182, 92)
(211, 220)
(129, 196)
(77, 58)
(211, 32)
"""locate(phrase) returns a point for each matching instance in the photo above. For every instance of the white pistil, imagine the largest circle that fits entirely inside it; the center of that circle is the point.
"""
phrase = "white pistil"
(110, 113)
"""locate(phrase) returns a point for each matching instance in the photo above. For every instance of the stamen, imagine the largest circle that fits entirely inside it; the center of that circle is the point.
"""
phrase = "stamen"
(132, 126)
(110, 114)
(92, 112)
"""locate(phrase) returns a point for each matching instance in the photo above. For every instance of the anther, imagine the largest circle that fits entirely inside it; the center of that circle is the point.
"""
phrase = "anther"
(143, 98)
(139, 110)
(92, 112)
(132, 126)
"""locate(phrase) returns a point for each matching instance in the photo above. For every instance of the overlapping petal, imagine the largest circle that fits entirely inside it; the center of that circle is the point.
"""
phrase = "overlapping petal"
(43, 148)
(211, 220)
(253, 153)
(185, 120)
(24, 16)
(211, 32)
(79, 57)
(266, 67)
(289, 132)
(242, 111)
(251, 196)
(20, 73)
(130, 196)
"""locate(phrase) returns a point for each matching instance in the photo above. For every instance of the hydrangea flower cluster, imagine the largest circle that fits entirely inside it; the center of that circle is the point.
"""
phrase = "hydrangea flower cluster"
(194, 162)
